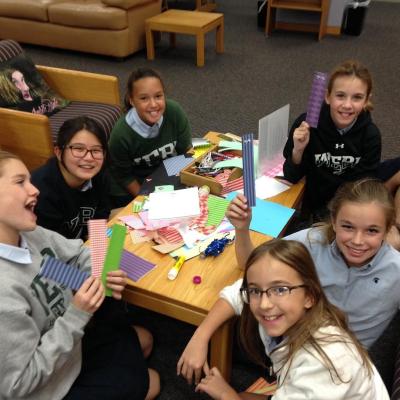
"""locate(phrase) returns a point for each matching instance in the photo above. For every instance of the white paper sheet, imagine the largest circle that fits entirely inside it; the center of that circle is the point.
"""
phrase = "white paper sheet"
(175, 204)
(272, 136)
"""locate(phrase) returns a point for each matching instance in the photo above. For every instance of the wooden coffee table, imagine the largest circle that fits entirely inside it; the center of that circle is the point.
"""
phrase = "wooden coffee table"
(182, 299)
(187, 22)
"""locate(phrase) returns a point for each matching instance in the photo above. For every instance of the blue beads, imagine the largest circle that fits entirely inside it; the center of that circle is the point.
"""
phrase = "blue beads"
(216, 247)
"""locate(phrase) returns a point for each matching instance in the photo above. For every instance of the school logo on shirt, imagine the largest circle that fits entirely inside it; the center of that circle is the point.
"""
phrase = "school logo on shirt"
(154, 157)
(338, 164)
(75, 224)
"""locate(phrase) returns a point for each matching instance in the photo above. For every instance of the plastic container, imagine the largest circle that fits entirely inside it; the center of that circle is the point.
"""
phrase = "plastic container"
(354, 17)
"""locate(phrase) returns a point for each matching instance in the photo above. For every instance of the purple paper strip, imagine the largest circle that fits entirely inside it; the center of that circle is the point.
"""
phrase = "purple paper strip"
(248, 169)
(317, 96)
(64, 274)
(136, 267)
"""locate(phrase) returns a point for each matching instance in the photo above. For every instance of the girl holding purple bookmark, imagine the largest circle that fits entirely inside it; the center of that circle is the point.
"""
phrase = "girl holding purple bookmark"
(342, 145)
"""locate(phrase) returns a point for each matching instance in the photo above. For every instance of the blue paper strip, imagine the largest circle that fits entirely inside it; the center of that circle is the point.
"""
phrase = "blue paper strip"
(248, 169)
(62, 273)
(174, 165)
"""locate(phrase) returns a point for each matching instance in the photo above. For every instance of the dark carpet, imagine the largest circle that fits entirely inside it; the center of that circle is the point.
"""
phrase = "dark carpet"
(254, 77)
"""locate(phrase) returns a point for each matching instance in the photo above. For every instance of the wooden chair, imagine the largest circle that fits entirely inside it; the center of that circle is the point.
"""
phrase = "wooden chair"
(31, 136)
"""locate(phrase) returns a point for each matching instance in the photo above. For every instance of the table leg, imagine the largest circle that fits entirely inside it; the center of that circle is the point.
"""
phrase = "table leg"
(221, 349)
(172, 40)
(149, 43)
(200, 49)
(219, 45)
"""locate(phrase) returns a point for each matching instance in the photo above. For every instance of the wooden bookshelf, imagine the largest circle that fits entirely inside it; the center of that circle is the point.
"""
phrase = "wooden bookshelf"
(317, 6)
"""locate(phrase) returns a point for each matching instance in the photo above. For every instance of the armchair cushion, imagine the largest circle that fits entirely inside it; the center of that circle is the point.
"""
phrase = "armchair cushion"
(35, 10)
(22, 87)
(91, 14)
(106, 115)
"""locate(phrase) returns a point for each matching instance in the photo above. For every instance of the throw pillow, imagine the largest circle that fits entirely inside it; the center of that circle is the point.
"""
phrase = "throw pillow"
(23, 88)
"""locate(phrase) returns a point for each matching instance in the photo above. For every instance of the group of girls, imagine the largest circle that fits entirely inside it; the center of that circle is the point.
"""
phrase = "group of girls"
(312, 303)
(55, 343)
(90, 174)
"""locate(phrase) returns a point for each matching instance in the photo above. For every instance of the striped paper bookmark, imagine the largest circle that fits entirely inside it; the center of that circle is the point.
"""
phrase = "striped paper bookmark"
(113, 255)
(317, 96)
(135, 266)
(248, 169)
(98, 244)
(62, 273)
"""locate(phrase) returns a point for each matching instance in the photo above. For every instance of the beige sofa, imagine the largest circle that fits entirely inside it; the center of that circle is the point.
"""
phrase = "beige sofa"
(109, 27)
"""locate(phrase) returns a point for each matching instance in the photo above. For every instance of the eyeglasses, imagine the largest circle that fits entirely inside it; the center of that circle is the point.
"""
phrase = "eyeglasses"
(80, 151)
(274, 293)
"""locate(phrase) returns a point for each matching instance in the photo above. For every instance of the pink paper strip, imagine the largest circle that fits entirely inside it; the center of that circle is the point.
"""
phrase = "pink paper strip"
(98, 244)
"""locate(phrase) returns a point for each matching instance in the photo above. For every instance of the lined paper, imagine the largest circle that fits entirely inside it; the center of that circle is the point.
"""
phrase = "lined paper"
(216, 209)
(248, 169)
(174, 165)
(113, 255)
(135, 266)
(317, 96)
(98, 244)
(62, 273)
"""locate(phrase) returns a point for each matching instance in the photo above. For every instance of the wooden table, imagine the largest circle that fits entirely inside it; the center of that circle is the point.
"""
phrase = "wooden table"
(187, 22)
(182, 299)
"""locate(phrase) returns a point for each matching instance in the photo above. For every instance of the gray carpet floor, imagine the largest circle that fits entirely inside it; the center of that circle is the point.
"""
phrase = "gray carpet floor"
(254, 77)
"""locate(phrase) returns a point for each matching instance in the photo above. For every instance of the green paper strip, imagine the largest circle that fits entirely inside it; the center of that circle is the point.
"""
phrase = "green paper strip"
(216, 209)
(114, 252)
(137, 206)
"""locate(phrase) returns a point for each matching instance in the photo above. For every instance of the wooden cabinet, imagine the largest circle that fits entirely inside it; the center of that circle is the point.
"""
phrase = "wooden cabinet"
(320, 7)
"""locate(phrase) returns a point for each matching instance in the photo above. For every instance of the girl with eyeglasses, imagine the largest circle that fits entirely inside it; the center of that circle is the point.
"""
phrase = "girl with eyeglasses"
(74, 186)
(358, 270)
(285, 314)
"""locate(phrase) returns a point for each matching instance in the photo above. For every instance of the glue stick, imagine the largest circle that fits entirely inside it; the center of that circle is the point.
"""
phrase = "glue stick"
(173, 272)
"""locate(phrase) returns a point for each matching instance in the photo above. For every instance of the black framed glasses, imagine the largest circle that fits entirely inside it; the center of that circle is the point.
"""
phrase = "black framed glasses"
(274, 293)
(79, 151)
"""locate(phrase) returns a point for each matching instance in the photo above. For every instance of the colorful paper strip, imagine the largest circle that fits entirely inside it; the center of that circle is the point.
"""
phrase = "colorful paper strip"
(174, 165)
(98, 244)
(216, 210)
(62, 273)
(114, 251)
(248, 169)
(136, 267)
(317, 96)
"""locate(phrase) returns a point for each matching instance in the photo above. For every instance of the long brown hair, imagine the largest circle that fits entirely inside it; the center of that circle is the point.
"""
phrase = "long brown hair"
(353, 68)
(322, 313)
(363, 191)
